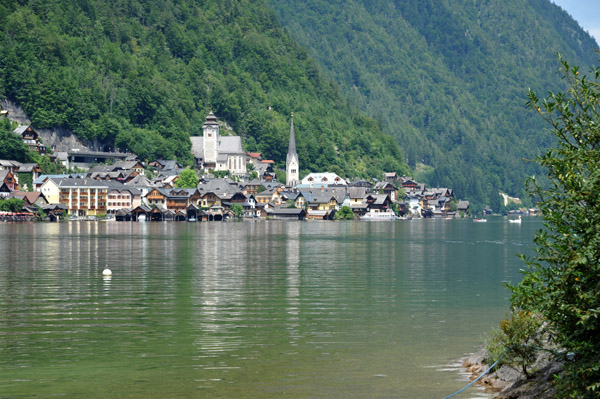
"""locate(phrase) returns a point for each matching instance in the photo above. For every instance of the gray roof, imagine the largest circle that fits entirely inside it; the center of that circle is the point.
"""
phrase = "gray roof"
(357, 192)
(227, 145)
(285, 211)
(220, 187)
(231, 145)
(197, 146)
(21, 129)
(141, 182)
(292, 143)
(70, 182)
(42, 178)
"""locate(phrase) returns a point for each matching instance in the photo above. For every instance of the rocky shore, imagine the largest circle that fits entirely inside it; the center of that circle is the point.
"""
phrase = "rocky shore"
(509, 383)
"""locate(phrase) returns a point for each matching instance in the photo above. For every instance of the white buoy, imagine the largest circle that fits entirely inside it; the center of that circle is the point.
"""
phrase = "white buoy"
(106, 272)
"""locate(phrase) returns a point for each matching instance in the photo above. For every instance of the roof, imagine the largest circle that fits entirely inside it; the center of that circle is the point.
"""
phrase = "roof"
(72, 183)
(357, 192)
(231, 145)
(326, 178)
(284, 211)
(21, 129)
(140, 182)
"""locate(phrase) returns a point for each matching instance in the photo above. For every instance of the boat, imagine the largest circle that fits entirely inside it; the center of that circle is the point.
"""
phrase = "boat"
(515, 220)
(478, 220)
(376, 214)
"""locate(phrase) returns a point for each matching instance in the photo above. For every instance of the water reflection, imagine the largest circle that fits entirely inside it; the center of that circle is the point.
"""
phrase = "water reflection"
(265, 309)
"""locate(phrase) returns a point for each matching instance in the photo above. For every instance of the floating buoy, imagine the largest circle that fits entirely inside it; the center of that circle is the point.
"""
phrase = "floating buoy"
(106, 272)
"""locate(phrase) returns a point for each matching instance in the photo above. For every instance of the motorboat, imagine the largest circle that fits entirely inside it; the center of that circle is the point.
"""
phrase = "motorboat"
(376, 214)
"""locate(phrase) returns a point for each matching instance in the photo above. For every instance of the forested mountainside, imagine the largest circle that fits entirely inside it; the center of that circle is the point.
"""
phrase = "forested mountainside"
(144, 74)
(447, 78)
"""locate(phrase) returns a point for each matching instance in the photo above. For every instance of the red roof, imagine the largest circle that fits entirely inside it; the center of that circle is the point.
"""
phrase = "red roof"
(254, 154)
(267, 161)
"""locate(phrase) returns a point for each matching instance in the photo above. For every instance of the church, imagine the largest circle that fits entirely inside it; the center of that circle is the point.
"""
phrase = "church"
(292, 165)
(215, 152)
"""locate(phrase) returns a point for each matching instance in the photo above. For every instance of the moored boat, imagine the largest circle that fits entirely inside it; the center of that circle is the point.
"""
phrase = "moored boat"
(376, 214)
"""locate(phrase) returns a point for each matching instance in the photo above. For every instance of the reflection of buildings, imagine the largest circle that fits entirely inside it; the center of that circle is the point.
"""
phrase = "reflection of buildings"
(293, 279)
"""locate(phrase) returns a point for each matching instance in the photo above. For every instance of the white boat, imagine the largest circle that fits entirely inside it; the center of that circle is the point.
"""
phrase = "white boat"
(480, 220)
(376, 214)
(515, 220)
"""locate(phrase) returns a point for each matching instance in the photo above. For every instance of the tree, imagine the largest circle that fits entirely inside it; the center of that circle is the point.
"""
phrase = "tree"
(11, 205)
(562, 280)
(237, 210)
(187, 179)
(11, 144)
(345, 213)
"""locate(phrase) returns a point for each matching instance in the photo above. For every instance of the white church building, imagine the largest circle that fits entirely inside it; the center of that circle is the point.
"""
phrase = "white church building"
(215, 152)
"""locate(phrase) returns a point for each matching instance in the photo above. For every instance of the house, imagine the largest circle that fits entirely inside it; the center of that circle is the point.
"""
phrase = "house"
(381, 202)
(31, 138)
(408, 184)
(9, 165)
(463, 206)
(121, 197)
(83, 197)
(253, 158)
(32, 168)
(7, 179)
(286, 213)
(30, 198)
(253, 187)
(213, 151)
(385, 187)
(367, 185)
(318, 180)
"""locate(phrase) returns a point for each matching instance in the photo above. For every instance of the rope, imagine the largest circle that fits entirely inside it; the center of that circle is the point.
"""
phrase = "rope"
(478, 378)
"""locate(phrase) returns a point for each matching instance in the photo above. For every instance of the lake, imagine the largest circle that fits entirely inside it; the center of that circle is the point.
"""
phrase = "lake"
(266, 309)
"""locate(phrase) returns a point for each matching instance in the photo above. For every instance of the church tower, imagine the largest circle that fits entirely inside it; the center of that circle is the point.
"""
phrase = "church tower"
(292, 166)
(211, 141)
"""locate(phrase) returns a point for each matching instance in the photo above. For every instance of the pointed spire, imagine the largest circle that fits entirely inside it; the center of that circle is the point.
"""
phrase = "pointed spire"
(292, 144)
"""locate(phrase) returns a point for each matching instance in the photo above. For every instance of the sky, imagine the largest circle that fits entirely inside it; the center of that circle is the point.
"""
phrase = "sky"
(585, 12)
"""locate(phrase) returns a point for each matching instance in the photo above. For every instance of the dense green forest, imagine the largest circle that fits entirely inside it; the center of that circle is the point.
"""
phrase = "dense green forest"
(143, 75)
(447, 78)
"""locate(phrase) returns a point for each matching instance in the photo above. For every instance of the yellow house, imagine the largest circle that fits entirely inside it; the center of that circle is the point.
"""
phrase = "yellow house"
(83, 197)
(51, 191)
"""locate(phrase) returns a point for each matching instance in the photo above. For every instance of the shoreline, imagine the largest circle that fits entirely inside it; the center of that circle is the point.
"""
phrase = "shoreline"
(507, 383)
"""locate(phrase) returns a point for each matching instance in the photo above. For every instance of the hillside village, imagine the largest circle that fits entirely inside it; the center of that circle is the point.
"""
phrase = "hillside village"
(227, 182)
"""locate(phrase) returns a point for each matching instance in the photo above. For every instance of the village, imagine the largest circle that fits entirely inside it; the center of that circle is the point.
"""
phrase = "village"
(229, 183)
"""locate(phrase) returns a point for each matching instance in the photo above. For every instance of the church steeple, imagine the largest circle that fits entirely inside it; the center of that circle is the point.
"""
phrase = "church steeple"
(292, 166)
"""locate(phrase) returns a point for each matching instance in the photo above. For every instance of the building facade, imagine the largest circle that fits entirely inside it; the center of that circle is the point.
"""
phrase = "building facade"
(215, 152)
(292, 165)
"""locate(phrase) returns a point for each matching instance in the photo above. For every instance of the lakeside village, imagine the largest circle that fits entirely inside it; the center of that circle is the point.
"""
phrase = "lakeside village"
(119, 187)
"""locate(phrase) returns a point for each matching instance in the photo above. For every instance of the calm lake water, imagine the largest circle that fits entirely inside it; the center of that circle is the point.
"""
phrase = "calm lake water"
(251, 310)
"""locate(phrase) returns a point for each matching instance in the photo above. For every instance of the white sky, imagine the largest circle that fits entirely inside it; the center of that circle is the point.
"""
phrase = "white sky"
(586, 12)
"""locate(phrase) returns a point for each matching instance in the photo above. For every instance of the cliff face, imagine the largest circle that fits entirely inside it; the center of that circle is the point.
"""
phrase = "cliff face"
(57, 139)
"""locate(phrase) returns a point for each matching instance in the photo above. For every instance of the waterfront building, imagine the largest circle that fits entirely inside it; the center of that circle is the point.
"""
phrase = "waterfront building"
(83, 197)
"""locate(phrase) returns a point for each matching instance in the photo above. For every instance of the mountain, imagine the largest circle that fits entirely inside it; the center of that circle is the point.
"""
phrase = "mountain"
(141, 75)
(447, 78)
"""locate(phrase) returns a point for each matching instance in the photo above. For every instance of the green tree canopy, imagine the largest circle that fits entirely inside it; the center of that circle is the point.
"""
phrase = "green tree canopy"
(11, 144)
(562, 281)
(187, 179)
